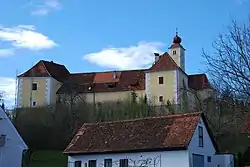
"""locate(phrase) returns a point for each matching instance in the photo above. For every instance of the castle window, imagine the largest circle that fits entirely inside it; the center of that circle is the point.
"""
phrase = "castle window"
(34, 86)
(174, 52)
(160, 98)
(160, 80)
(34, 103)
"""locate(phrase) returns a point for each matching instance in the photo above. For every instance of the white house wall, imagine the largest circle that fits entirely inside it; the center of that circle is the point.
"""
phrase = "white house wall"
(11, 152)
(162, 159)
(207, 150)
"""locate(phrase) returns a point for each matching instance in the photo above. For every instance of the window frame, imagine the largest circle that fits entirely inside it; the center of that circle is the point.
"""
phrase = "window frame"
(161, 80)
(32, 86)
(123, 163)
(200, 135)
(174, 52)
(78, 163)
(160, 99)
(108, 162)
(209, 158)
(90, 163)
(34, 102)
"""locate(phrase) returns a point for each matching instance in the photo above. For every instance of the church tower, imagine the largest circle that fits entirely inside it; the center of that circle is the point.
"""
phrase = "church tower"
(177, 52)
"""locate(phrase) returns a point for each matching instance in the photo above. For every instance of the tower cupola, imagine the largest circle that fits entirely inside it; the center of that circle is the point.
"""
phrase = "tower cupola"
(177, 51)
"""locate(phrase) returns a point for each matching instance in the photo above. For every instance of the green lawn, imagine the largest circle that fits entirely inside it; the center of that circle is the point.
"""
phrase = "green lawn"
(48, 158)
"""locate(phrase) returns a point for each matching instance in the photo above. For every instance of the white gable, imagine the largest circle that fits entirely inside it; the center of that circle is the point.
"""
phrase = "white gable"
(13, 139)
(208, 151)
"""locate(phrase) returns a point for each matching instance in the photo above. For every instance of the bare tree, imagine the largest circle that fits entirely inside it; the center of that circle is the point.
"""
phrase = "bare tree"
(229, 66)
(1, 96)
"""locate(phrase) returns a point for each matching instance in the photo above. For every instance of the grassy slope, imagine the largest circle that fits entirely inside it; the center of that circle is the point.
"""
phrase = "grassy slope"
(48, 158)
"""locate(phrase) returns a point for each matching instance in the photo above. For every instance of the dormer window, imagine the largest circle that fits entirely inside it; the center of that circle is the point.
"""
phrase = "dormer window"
(174, 52)
(34, 86)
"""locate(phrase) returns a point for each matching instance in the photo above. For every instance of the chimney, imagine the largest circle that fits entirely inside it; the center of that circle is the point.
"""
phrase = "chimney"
(157, 56)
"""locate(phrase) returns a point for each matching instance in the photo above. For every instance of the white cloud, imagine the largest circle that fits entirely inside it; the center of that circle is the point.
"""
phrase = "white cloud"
(132, 57)
(26, 37)
(40, 12)
(7, 86)
(6, 52)
(240, 2)
(46, 7)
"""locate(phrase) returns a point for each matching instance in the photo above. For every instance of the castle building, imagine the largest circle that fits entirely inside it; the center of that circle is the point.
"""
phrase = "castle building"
(46, 83)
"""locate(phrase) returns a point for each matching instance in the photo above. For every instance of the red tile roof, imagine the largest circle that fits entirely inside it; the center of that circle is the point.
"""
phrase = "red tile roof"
(198, 82)
(47, 69)
(164, 132)
(104, 81)
(165, 62)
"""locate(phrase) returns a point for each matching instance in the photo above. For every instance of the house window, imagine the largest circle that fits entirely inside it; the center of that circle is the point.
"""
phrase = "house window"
(34, 103)
(34, 86)
(123, 162)
(108, 163)
(209, 159)
(200, 133)
(174, 52)
(92, 163)
(78, 163)
(160, 98)
(160, 80)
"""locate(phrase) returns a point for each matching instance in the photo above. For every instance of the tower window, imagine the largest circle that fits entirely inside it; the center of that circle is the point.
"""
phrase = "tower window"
(160, 80)
(160, 98)
(34, 86)
(174, 52)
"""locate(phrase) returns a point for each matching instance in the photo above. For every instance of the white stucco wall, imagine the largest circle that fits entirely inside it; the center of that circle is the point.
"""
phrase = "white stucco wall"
(11, 152)
(162, 159)
(207, 150)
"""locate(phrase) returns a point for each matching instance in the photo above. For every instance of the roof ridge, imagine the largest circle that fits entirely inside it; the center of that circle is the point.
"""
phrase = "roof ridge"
(197, 74)
(52, 62)
(74, 73)
(46, 67)
(148, 118)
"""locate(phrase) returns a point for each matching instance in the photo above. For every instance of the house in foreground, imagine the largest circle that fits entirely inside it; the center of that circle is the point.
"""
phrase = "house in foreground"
(179, 140)
(12, 145)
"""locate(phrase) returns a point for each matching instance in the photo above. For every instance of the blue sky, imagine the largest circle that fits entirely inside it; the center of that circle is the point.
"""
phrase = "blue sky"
(97, 35)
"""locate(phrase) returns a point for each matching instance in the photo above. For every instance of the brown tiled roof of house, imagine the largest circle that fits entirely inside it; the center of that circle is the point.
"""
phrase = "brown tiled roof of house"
(104, 81)
(198, 82)
(165, 62)
(170, 132)
(47, 69)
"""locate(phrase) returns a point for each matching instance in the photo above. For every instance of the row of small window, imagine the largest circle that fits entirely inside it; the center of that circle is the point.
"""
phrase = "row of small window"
(107, 163)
